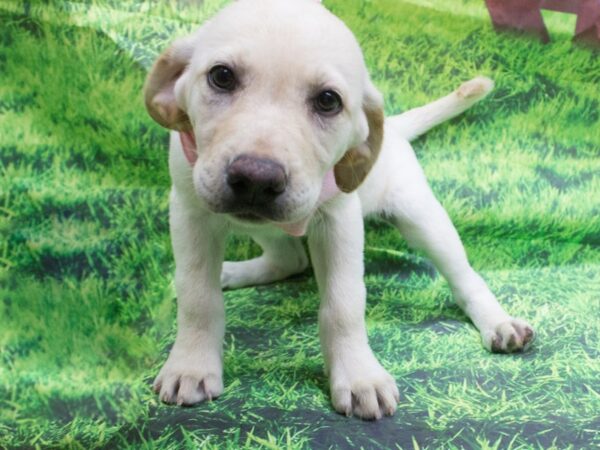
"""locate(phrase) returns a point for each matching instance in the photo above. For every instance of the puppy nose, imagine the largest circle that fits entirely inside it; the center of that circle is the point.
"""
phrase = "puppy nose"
(256, 180)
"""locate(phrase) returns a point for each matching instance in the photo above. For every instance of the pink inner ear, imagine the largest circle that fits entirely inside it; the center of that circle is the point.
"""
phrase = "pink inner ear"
(188, 142)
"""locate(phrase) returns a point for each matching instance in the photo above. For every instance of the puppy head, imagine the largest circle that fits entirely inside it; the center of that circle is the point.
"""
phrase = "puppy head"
(269, 97)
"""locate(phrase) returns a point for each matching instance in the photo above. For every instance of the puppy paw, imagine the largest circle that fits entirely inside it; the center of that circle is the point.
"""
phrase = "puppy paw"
(366, 391)
(512, 336)
(235, 275)
(182, 381)
(475, 89)
(258, 271)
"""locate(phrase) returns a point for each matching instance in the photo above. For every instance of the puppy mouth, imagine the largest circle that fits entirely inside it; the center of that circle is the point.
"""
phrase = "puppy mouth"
(262, 216)
(297, 228)
(252, 212)
(249, 217)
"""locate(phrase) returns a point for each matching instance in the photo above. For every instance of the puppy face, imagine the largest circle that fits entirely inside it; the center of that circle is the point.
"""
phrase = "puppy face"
(269, 96)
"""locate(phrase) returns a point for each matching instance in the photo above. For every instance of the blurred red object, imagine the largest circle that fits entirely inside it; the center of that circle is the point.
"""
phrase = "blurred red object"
(525, 15)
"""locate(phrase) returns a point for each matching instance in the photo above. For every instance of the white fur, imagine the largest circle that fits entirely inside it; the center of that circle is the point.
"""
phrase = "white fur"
(269, 121)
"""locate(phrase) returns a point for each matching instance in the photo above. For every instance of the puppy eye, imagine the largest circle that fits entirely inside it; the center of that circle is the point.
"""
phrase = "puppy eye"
(328, 103)
(222, 78)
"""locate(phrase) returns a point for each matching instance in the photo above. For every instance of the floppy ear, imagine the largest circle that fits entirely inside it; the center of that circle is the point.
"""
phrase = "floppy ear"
(159, 90)
(356, 163)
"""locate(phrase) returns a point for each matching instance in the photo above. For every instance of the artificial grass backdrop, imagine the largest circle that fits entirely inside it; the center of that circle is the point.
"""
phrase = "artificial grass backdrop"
(87, 301)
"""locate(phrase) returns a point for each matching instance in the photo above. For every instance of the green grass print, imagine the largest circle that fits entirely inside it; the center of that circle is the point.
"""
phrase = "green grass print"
(87, 304)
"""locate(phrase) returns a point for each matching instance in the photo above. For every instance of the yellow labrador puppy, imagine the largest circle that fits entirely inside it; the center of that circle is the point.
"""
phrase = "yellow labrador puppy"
(278, 132)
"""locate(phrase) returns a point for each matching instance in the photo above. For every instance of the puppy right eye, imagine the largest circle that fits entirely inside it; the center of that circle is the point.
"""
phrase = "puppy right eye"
(328, 103)
(222, 78)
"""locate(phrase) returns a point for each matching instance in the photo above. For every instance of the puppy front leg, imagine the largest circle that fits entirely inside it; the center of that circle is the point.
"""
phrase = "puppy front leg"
(193, 371)
(359, 384)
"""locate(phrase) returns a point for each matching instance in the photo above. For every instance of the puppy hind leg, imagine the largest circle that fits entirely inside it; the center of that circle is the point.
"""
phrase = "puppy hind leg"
(282, 257)
(426, 226)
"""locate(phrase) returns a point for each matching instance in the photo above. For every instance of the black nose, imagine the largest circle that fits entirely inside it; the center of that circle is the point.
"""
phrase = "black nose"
(255, 180)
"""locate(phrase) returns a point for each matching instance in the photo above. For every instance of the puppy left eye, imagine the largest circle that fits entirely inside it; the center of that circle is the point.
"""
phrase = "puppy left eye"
(222, 78)
(328, 103)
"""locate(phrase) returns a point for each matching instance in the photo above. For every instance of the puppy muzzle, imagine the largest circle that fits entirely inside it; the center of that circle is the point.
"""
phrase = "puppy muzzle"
(255, 190)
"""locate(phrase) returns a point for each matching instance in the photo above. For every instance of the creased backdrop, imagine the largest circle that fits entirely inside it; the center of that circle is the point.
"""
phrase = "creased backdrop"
(87, 310)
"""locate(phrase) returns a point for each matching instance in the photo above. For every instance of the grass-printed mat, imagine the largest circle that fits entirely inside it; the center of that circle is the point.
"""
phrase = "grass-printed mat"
(87, 306)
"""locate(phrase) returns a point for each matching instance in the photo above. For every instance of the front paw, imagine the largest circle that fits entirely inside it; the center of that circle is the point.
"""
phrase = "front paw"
(187, 379)
(512, 336)
(363, 388)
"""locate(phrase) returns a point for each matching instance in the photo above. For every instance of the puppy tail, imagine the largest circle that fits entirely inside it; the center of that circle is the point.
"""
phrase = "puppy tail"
(413, 123)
